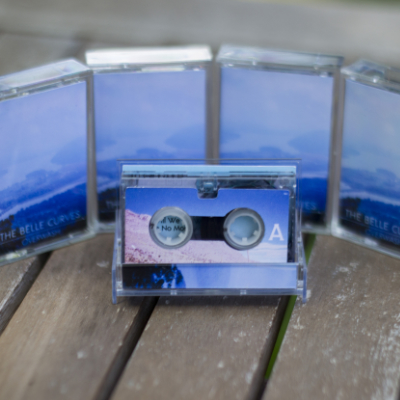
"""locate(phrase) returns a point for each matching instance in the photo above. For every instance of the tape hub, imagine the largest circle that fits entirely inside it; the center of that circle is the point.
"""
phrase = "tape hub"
(171, 227)
(243, 229)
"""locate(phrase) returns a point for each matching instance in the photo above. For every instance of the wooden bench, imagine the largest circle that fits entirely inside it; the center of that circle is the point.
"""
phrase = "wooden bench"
(66, 340)
(61, 337)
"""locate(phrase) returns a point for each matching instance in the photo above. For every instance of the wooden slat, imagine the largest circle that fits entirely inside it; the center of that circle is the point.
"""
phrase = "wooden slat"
(355, 31)
(67, 339)
(345, 342)
(15, 281)
(203, 348)
(19, 52)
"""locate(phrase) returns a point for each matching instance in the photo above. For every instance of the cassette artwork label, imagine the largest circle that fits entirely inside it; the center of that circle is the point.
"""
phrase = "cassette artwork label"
(268, 114)
(176, 226)
(43, 167)
(139, 115)
(370, 179)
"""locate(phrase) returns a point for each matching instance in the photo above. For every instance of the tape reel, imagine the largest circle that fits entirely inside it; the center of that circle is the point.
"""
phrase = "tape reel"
(171, 227)
(242, 228)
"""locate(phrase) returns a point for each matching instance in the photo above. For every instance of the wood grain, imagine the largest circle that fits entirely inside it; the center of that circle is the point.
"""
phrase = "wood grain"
(344, 343)
(203, 348)
(15, 281)
(67, 338)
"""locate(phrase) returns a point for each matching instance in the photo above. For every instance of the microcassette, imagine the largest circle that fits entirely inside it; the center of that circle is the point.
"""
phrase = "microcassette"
(192, 227)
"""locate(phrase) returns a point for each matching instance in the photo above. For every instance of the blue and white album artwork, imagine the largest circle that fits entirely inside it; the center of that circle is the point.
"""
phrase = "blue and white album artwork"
(42, 166)
(204, 262)
(146, 115)
(267, 114)
(370, 175)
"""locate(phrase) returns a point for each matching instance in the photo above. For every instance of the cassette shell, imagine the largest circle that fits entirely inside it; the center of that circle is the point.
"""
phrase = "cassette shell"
(317, 210)
(378, 88)
(131, 261)
(154, 61)
(39, 83)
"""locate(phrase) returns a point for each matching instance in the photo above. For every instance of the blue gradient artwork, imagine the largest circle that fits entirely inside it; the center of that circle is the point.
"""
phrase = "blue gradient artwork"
(268, 114)
(370, 175)
(43, 166)
(146, 115)
(215, 277)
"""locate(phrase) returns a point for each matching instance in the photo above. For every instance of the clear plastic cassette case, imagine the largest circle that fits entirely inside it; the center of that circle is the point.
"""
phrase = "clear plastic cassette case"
(189, 228)
(149, 103)
(281, 104)
(47, 167)
(367, 196)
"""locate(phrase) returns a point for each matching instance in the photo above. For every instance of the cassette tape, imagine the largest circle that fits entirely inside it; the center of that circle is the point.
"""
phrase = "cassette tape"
(48, 172)
(148, 103)
(281, 104)
(367, 179)
(189, 228)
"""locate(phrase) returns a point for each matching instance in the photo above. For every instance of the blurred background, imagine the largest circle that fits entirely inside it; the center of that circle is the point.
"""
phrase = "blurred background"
(40, 31)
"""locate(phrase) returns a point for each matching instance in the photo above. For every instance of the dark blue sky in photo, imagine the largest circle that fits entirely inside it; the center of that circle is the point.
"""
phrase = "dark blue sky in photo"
(163, 112)
(43, 131)
(44, 138)
(148, 115)
(268, 114)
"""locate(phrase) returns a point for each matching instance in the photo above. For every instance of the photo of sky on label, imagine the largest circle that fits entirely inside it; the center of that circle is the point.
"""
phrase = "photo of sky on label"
(269, 114)
(146, 115)
(44, 167)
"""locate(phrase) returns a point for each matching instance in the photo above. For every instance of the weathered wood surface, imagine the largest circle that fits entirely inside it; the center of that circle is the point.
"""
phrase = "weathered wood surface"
(15, 281)
(67, 340)
(354, 30)
(345, 342)
(203, 348)
(19, 52)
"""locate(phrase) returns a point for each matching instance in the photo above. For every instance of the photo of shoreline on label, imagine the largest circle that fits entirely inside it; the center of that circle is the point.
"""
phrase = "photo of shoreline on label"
(43, 167)
(174, 225)
(370, 177)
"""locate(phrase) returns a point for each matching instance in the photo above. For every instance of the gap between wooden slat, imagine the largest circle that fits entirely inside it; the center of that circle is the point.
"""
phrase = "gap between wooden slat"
(133, 335)
(259, 382)
(288, 306)
(21, 288)
(117, 368)
(346, 338)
